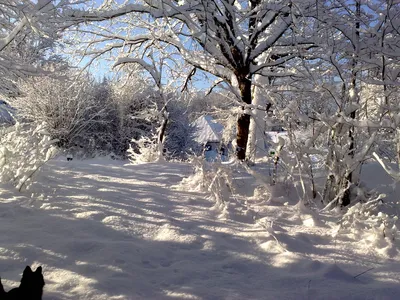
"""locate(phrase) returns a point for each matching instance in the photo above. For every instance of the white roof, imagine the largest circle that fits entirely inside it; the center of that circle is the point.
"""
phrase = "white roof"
(207, 130)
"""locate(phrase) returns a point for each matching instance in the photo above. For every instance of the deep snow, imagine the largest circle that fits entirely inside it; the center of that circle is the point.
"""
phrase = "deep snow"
(105, 230)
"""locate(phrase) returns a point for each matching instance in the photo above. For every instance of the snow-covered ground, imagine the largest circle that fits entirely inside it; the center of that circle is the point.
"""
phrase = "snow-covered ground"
(105, 230)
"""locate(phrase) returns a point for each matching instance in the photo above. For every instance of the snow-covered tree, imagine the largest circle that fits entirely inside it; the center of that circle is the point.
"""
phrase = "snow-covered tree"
(356, 33)
(29, 29)
(231, 39)
(179, 135)
(330, 87)
(132, 96)
(166, 73)
(310, 60)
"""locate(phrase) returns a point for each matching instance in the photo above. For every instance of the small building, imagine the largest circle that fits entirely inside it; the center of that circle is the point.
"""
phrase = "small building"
(208, 133)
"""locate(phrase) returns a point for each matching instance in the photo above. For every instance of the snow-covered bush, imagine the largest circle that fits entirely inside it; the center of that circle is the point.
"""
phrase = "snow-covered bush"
(68, 110)
(160, 127)
(135, 100)
(214, 178)
(219, 182)
(196, 181)
(143, 150)
(179, 136)
(368, 222)
(23, 151)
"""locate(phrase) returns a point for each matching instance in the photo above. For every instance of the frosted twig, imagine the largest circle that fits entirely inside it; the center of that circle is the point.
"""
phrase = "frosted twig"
(269, 230)
(363, 272)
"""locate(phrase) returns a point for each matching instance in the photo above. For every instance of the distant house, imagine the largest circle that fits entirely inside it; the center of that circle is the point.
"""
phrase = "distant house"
(208, 133)
(6, 114)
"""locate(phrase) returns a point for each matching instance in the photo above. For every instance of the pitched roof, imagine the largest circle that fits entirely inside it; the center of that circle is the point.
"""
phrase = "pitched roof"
(207, 130)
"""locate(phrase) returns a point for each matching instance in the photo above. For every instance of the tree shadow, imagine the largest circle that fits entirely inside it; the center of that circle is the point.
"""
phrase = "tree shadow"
(140, 240)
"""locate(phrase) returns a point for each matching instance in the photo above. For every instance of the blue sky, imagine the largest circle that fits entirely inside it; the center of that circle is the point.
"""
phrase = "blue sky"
(102, 66)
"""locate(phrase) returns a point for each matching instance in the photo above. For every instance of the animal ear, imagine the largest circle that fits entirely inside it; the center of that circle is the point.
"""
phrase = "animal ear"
(39, 270)
(2, 291)
(27, 270)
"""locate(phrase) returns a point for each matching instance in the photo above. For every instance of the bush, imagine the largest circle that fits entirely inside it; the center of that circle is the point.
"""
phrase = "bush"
(144, 150)
(24, 150)
(68, 111)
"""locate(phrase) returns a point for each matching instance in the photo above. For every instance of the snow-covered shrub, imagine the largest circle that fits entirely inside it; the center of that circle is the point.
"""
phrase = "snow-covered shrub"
(143, 150)
(214, 178)
(368, 222)
(70, 111)
(220, 183)
(135, 100)
(194, 182)
(23, 151)
(179, 136)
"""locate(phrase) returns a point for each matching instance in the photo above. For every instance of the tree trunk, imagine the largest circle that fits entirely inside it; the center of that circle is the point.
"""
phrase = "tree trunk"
(243, 123)
(256, 140)
(161, 134)
(252, 140)
(397, 138)
(352, 178)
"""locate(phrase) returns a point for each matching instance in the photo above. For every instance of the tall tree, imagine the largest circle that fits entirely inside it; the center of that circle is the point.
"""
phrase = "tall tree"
(231, 39)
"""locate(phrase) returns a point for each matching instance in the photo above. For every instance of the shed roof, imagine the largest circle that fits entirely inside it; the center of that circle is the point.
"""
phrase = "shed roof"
(208, 130)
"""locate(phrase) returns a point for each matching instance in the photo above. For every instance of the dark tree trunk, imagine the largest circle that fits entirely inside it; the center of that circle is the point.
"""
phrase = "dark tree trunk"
(161, 133)
(162, 130)
(346, 198)
(163, 126)
(243, 123)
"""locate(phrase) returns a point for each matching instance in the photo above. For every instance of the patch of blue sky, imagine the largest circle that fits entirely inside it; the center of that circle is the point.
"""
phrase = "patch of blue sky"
(102, 66)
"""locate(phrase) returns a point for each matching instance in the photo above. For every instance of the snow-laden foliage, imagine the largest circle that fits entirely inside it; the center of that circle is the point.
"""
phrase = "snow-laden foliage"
(130, 98)
(369, 222)
(24, 149)
(179, 136)
(144, 150)
(71, 111)
(146, 146)
(313, 60)
(29, 31)
(214, 178)
(348, 109)
(195, 181)
(232, 40)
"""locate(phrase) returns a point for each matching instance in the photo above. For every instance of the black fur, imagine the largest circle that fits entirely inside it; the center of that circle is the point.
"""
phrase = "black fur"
(2, 291)
(31, 287)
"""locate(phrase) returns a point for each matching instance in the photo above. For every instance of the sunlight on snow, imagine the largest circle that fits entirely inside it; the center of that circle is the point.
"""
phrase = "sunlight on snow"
(108, 267)
(285, 259)
(169, 233)
(179, 295)
(6, 254)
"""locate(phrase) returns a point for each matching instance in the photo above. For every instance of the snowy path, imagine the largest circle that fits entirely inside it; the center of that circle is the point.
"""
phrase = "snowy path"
(111, 231)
